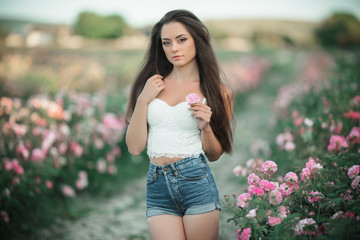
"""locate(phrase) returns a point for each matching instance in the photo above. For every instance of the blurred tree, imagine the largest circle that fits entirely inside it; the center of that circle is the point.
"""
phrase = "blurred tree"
(92, 25)
(340, 29)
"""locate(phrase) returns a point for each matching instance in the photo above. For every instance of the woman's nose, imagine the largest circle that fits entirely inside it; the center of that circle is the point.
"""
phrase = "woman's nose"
(174, 47)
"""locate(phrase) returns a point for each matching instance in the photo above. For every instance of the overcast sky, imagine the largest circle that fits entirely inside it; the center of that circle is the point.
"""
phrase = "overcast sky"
(143, 12)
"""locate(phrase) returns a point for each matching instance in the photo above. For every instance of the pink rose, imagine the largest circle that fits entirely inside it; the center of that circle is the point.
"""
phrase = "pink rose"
(285, 189)
(101, 166)
(275, 197)
(314, 196)
(192, 98)
(355, 183)
(336, 143)
(291, 178)
(258, 191)
(353, 171)
(254, 179)
(49, 184)
(274, 221)
(283, 211)
(299, 228)
(313, 166)
(266, 185)
(305, 174)
(245, 235)
(37, 155)
(243, 200)
(5, 216)
(17, 168)
(269, 167)
(354, 135)
(68, 191)
(77, 149)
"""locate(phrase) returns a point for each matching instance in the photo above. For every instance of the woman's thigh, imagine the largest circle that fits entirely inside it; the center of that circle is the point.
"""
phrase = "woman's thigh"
(165, 227)
(203, 226)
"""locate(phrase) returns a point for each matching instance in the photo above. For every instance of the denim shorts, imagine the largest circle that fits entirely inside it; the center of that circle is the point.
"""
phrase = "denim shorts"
(184, 187)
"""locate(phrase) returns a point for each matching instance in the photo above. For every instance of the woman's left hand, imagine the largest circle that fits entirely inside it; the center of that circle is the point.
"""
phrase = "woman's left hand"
(203, 113)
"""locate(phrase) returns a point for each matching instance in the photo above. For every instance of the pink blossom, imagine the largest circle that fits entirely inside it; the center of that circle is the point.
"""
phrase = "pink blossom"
(23, 151)
(304, 223)
(49, 184)
(354, 135)
(192, 98)
(357, 98)
(116, 151)
(275, 197)
(269, 167)
(355, 183)
(237, 170)
(285, 189)
(254, 179)
(81, 183)
(37, 155)
(243, 200)
(250, 189)
(291, 178)
(337, 215)
(352, 115)
(298, 121)
(17, 168)
(68, 191)
(257, 191)
(274, 221)
(353, 171)
(111, 121)
(313, 166)
(5, 216)
(101, 166)
(314, 197)
(19, 129)
(283, 212)
(266, 185)
(245, 235)
(7, 164)
(305, 174)
(289, 146)
(337, 142)
(48, 141)
(252, 213)
(350, 215)
(76, 148)
(112, 169)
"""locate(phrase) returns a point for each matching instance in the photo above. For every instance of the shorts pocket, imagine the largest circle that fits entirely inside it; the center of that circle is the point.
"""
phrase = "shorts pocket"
(195, 172)
(151, 177)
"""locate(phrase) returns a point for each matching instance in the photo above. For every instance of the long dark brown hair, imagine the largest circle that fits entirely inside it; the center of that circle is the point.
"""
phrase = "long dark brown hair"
(155, 62)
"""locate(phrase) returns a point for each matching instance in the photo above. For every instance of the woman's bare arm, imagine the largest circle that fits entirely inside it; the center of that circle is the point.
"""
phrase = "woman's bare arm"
(137, 132)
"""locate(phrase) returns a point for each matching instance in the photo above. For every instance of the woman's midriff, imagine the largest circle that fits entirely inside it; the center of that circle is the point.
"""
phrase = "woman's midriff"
(164, 160)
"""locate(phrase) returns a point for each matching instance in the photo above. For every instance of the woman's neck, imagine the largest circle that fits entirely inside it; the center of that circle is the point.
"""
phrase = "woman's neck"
(187, 73)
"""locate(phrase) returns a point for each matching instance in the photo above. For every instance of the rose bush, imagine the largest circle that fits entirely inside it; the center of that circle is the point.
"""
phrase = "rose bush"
(52, 150)
(311, 188)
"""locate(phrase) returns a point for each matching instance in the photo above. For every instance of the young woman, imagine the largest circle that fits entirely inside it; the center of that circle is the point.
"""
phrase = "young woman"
(182, 200)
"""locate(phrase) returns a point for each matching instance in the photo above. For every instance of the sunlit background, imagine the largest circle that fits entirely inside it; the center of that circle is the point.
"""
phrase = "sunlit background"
(65, 71)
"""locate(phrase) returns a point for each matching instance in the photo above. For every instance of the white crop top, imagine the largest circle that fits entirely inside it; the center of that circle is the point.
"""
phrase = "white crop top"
(173, 131)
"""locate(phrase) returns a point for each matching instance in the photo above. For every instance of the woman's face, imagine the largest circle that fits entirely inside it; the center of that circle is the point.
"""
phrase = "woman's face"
(178, 44)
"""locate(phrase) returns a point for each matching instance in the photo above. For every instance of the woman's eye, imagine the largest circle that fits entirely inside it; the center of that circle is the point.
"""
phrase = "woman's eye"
(166, 43)
(182, 39)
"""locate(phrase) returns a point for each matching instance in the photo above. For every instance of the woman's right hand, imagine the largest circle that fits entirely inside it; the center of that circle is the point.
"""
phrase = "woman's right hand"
(153, 86)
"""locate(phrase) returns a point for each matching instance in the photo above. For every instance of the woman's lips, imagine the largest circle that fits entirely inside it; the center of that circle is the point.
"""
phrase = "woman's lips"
(177, 57)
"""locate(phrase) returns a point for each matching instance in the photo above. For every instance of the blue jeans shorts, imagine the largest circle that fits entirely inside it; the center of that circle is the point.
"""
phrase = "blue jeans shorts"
(184, 187)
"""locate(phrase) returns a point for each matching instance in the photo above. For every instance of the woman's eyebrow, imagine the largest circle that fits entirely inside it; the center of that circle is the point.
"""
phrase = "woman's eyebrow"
(179, 36)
